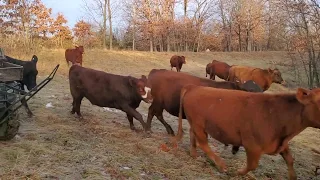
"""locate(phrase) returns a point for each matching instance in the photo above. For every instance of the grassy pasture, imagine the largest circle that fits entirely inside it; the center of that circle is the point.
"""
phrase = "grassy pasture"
(55, 145)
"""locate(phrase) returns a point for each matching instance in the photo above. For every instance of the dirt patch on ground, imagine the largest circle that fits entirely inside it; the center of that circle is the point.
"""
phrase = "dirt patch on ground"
(55, 145)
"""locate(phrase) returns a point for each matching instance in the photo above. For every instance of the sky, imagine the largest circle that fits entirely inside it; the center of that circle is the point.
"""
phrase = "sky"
(71, 9)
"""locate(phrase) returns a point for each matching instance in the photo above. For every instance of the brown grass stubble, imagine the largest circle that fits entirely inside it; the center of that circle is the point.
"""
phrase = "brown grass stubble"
(55, 144)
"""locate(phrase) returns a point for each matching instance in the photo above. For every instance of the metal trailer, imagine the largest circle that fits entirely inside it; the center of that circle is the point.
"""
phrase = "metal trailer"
(11, 95)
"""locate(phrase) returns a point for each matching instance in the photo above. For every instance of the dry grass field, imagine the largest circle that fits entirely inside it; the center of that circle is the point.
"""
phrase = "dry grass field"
(55, 145)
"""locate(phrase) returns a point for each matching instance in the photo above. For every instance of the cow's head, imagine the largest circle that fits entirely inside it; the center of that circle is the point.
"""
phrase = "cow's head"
(183, 60)
(311, 101)
(276, 76)
(30, 73)
(80, 49)
(142, 88)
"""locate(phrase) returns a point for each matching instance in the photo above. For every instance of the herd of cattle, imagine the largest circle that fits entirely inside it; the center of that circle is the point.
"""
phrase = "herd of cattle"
(235, 111)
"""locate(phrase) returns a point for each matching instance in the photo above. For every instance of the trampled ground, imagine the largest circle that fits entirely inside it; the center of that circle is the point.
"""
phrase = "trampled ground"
(55, 145)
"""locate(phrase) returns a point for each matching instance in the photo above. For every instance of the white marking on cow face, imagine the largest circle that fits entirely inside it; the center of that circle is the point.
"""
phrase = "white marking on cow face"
(146, 89)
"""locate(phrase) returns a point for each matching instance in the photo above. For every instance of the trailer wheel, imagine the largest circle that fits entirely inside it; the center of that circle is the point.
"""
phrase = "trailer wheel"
(9, 129)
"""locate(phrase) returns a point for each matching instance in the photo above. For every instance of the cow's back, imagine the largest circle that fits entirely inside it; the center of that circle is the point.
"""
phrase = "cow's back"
(260, 76)
(166, 87)
(221, 69)
(243, 73)
(101, 88)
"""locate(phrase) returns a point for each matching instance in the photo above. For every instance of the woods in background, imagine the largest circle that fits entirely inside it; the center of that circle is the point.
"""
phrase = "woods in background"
(172, 25)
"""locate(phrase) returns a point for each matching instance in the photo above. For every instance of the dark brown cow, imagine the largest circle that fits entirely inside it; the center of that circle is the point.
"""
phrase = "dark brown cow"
(263, 77)
(109, 90)
(261, 123)
(250, 86)
(74, 55)
(177, 61)
(166, 86)
(29, 78)
(220, 69)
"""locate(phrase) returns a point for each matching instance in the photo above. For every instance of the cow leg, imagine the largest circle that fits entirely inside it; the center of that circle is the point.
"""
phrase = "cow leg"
(202, 139)
(158, 112)
(286, 154)
(166, 125)
(76, 106)
(73, 107)
(253, 157)
(177, 69)
(193, 144)
(24, 103)
(130, 118)
(150, 116)
(134, 113)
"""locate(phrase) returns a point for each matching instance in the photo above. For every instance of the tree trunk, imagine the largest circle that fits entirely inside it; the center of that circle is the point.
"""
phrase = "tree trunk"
(110, 25)
(104, 33)
(239, 35)
(134, 29)
(248, 41)
(151, 44)
(168, 43)
(186, 28)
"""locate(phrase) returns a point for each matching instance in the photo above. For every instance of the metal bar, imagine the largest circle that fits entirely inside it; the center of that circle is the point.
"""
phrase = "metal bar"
(31, 93)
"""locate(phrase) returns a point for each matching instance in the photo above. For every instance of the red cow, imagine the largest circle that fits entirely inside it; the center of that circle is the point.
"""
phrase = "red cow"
(261, 123)
(74, 55)
(263, 77)
(177, 61)
(220, 69)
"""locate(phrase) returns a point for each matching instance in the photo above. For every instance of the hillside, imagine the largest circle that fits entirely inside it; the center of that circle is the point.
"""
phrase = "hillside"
(55, 145)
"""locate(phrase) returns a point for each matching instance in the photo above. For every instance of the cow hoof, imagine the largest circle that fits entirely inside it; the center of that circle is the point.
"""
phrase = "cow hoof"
(132, 128)
(242, 171)
(222, 166)
(146, 135)
(194, 154)
(79, 116)
(72, 112)
(30, 115)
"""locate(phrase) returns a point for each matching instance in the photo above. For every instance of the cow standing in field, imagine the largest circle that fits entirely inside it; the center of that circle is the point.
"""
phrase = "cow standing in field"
(177, 61)
(166, 86)
(261, 123)
(29, 78)
(217, 68)
(263, 77)
(74, 55)
(109, 90)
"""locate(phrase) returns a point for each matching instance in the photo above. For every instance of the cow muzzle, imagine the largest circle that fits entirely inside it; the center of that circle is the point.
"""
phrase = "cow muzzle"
(284, 83)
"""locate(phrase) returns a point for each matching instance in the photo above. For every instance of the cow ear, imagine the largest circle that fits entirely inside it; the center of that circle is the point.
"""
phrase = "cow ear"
(303, 96)
(34, 59)
(144, 78)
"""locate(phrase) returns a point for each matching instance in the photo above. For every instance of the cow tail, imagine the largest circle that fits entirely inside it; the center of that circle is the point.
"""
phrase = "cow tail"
(180, 132)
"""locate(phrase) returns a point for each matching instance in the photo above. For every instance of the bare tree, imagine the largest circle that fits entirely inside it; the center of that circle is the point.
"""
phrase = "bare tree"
(98, 9)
